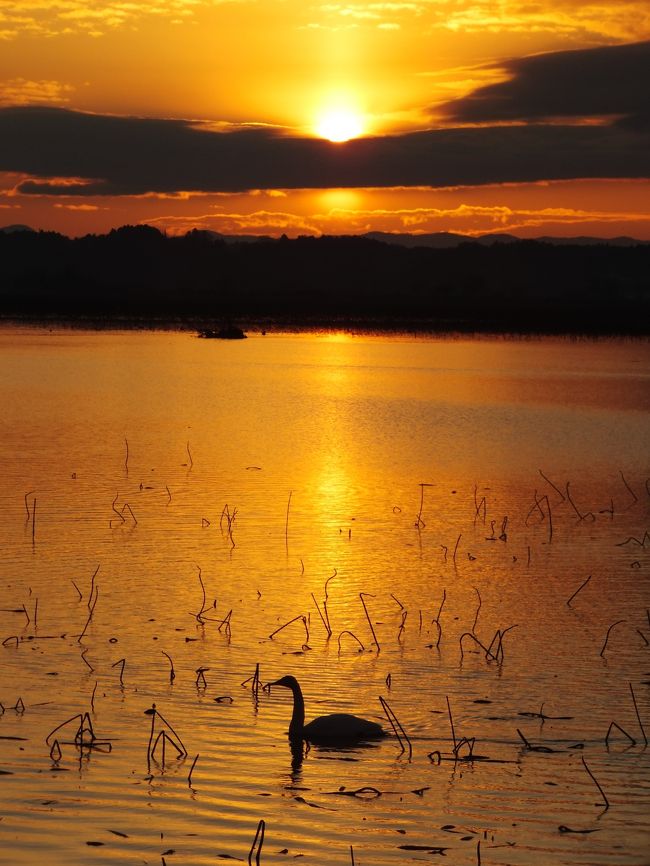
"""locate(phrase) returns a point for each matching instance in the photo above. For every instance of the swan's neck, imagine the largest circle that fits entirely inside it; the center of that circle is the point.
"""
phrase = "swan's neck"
(298, 716)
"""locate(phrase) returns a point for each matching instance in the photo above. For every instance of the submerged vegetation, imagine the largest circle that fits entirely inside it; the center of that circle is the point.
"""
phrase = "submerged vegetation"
(137, 272)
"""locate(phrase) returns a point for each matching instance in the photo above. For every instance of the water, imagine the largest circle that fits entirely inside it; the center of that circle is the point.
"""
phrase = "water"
(431, 476)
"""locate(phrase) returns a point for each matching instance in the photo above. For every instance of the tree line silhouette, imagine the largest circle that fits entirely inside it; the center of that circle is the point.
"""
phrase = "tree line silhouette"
(137, 272)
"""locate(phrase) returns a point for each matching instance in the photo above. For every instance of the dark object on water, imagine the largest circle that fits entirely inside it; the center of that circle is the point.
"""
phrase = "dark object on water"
(228, 332)
(339, 729)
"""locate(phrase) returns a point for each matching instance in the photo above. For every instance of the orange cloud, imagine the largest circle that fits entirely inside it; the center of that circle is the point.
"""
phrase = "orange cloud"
(20, 91)
(81, 207)
(50, 18)
(464, 219)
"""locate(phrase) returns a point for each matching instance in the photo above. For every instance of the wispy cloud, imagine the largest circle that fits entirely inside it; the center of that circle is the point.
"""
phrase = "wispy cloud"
(80, 207)
(92, 17)
(20, 91)
(570, 19)
(623, 20)
(464, 219)
(385, 16)
(620, 20)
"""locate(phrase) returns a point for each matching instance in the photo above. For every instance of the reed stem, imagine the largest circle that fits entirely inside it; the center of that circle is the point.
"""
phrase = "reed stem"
(638, 716)
(361, 596)
(582, 585)
(595, 781)
(618, 622)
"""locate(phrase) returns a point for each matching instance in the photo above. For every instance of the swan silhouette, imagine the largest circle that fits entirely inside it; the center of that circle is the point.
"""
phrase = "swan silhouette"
(337, 729)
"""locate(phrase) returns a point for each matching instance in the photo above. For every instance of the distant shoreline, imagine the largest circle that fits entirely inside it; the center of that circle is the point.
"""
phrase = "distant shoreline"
(136, 277)
(359, 327)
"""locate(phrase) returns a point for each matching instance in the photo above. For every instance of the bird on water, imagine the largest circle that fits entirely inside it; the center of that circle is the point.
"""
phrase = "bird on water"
(337, 729)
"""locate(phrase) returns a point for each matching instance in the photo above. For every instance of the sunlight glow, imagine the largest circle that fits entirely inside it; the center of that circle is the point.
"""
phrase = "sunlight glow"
(339, 125)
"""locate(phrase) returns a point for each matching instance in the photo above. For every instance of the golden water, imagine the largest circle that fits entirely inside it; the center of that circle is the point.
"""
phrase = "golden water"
(409, 468)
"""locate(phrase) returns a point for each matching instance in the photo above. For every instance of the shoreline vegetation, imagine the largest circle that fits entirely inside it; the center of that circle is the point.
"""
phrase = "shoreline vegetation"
(137, 277)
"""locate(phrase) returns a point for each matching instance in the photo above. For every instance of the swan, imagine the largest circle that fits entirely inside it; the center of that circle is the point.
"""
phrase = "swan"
(337, 729)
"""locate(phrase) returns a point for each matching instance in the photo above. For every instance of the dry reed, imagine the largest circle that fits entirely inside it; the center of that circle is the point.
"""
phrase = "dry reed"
(91, 610)
(361, 596)
(618, 728)
(352, 635)
(258, 842)
(618, 622)
(399, 731)
(189, 777)
(628, 488)
(163, 738)
(579, 514)
(638, 716)
(300, 618)
(172, 672)
(254, 680)
(122, 663)
(286, 523)
(596, 783)
(582, 586)
(554, 486)
(478, 609)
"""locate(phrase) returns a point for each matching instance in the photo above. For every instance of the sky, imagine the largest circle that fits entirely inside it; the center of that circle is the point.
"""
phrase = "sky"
(530, 117)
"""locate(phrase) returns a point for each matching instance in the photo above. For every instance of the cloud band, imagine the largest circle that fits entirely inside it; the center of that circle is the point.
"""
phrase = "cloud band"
(134, 156)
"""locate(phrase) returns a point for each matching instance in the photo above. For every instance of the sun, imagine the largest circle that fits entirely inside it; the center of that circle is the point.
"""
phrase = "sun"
(339, 125)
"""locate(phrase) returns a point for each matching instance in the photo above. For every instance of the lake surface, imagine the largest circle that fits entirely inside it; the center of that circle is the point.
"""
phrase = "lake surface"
(195, 496)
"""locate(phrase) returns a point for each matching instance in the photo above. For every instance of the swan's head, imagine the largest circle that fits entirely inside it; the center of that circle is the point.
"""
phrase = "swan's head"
(288, 682)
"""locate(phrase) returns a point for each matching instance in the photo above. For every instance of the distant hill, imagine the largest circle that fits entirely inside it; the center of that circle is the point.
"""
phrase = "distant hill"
(9, 230)
(433, 240)
(582, 241)
(448, 240)
(439, 240)
(445, 240)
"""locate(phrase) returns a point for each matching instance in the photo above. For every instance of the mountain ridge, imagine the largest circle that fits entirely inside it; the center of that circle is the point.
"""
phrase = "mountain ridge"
(431, 240)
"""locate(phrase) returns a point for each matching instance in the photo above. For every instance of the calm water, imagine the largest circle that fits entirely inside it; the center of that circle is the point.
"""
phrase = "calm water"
(430, 475)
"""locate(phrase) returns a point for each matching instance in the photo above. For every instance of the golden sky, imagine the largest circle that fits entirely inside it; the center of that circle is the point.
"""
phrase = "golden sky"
(472, 116)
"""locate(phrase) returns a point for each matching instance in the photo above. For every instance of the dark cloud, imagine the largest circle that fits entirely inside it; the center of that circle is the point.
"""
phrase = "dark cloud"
(130, 156)
(610, 81)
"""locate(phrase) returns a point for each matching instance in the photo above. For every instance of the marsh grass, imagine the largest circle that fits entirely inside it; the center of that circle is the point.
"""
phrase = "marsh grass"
(160, 735)
(84, 737)
(122, 664)
(172, 672)
(324, 613)
(615, 725)
(586, 515)
(596, 783)
(258, 843)
(353, 636)
(363, 596)
(638, 715)
(581, 587)
(189, 775)
(255, 683)
(227, 523)
(398, 730)
(300, 618)
(544, 514)
(92, 604)
(609, 631)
